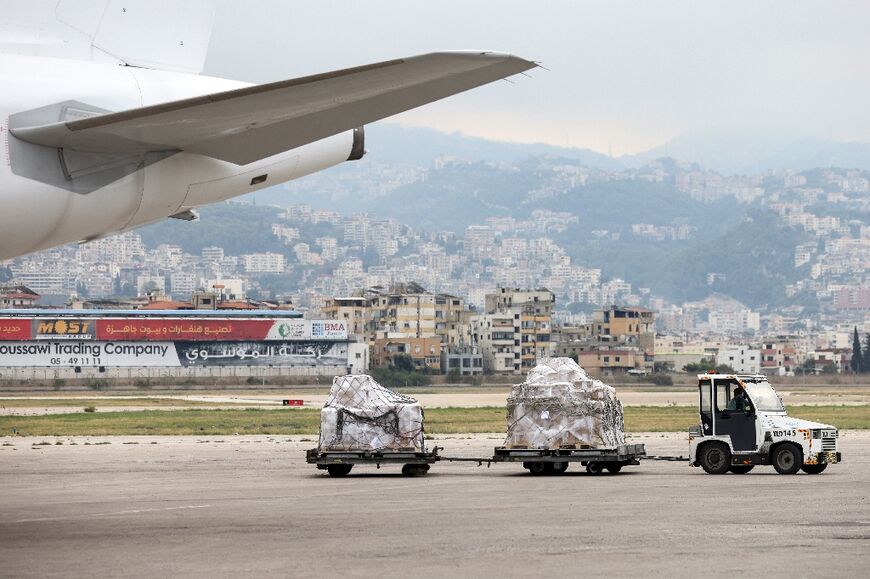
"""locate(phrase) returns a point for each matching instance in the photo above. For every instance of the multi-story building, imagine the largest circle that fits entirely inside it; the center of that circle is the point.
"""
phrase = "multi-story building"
(779, 357)
(742, 359)
(624, 325)
(734, 322)
(498, 336)
(183, 283)
(354, 310)
(263, 263)
(395, 320)
(212, 253)
(529, 313)
(425, 352)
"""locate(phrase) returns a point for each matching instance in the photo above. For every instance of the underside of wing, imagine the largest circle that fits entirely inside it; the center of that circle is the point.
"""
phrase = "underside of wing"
(249, 124)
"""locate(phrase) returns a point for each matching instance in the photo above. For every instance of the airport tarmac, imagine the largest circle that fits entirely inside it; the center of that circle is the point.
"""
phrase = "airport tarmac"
(242, 506)
(447, 397)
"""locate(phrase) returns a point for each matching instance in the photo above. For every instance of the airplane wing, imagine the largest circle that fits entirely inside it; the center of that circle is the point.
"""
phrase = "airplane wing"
(248, 124)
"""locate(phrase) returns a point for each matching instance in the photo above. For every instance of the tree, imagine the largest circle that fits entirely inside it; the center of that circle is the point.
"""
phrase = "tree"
(404, 362)
(857, 358)
(865, 355)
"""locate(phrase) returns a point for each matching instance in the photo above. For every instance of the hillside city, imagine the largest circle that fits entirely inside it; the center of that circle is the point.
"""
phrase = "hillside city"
(544, 272)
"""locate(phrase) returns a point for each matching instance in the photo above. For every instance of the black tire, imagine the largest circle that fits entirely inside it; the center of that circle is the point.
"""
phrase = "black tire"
(614, 468)
(715, 458)
(338, 470)
(741, 468)
(595, 468)
(415, 469)
(814, 468)
(787, 458)
(540, 468)
(559, 467)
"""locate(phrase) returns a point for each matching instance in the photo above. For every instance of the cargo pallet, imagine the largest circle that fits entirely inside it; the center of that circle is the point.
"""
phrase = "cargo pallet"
(340, 462)
(555, 461)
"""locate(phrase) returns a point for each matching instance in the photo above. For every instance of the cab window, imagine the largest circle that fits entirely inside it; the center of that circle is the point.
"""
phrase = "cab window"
(723, 395)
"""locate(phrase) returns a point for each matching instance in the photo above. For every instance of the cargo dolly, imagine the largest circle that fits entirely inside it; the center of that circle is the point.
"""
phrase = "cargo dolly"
(555, 461)
(340, 462)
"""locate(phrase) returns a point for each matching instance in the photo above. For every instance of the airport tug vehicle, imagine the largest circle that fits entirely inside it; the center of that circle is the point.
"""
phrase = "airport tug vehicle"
(744, 424)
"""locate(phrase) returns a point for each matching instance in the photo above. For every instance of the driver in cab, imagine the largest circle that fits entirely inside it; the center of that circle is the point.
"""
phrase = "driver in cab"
(739, 401)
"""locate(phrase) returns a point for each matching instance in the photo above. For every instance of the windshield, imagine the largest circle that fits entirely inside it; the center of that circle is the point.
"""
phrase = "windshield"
(764, 397)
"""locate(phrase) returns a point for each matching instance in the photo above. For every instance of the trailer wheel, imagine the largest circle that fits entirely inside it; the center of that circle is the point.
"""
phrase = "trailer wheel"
(614, 468)
(814, 468)
(594, 468)
(715, 458)
(339, 469)
(741, 468)
(560, 467)
(540, 468)
(787, 458)
(415, 469)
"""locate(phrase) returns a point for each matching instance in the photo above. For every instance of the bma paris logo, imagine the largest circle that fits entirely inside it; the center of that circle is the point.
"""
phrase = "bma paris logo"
(64, 329)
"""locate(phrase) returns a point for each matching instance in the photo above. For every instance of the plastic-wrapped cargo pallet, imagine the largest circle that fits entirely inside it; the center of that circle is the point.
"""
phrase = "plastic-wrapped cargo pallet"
(560, 406)
(362, 415)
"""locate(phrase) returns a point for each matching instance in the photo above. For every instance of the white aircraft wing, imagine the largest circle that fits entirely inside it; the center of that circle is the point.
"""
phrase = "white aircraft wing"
(248, 124)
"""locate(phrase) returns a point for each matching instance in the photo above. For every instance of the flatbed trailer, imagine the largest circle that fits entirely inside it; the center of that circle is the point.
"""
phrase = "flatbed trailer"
(555, 461)
(340, 462)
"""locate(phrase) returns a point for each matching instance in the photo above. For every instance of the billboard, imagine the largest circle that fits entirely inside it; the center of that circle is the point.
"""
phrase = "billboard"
(186, 329)
(66, 353)
(63, 328)
(14, 329)
(308, 330)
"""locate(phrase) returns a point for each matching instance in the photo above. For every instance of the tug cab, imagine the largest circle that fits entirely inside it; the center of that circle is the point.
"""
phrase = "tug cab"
(743, 423)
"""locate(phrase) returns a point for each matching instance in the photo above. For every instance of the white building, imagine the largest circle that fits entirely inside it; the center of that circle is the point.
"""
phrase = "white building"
(182, 284)
(736, 322)
(263, 263)
(742, 359)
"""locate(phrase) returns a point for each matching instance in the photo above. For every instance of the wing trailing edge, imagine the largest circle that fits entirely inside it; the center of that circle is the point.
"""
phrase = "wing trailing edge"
(245, 125)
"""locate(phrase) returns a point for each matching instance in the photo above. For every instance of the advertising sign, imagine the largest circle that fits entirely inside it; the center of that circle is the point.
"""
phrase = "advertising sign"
(137, 329)
(68, 353)
(300, 353)
(14, 329)
(181, 329)
(308, 330)
(63, 329)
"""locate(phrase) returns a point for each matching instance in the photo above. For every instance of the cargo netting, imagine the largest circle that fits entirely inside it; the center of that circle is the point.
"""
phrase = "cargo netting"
(362, 415)
(560, 406)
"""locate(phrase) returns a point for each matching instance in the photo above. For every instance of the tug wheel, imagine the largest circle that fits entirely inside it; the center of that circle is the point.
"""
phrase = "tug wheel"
(594, 468)
(338, 470)
(787, 458)
(715, 458)
(741, 468)
(814, 468)
(560, 467)
(614, 468)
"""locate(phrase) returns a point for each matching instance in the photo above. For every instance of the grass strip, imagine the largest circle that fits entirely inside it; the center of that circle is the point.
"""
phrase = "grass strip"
(105, 402)
(307, 421)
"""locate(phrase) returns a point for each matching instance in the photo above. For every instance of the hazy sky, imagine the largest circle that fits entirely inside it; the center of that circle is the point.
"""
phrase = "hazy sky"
(624, 76)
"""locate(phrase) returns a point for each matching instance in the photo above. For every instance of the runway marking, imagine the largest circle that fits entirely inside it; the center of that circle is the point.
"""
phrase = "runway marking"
(112, 513)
